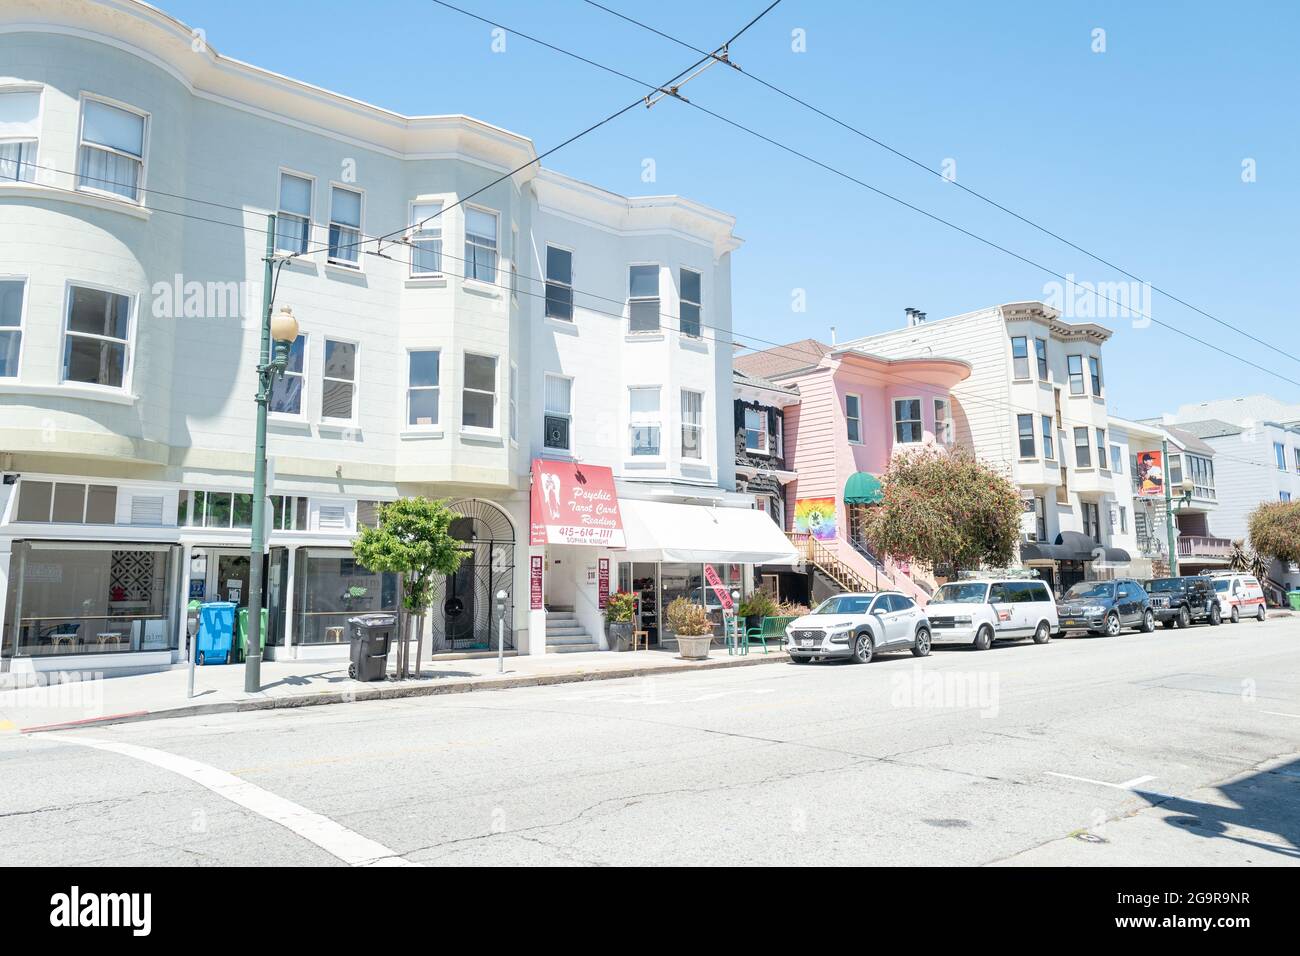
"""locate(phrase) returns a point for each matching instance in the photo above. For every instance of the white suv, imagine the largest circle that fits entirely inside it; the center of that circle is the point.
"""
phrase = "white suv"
(981, 612)
(855, 626)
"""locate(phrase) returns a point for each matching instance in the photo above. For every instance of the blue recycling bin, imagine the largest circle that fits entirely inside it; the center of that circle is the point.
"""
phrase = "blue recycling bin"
(216, 632)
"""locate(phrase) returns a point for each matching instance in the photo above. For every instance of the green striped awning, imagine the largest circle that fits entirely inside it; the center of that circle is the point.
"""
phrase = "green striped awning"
(863, 489)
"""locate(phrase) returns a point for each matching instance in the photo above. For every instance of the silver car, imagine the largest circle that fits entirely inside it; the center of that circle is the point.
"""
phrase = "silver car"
(856, 626)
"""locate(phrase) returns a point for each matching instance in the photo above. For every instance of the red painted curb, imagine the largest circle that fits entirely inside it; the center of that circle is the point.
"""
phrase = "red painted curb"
(82, 723)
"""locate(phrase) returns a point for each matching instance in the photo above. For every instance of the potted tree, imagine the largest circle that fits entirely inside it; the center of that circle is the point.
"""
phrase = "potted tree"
(619, 610)
(758, 605)
(693, 628)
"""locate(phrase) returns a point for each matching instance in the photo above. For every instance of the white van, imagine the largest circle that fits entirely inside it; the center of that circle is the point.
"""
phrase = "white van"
(1240, 595)
(981, 612)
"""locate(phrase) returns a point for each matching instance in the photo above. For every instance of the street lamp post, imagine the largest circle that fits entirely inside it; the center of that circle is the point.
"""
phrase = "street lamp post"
(278, 335)
(1185, 496)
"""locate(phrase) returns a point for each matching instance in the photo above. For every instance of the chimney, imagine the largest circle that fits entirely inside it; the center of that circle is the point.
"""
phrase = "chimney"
(833, 335)
(920, 317)
(914, 316)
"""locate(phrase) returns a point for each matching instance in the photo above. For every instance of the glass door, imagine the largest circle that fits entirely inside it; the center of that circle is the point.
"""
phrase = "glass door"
(228, 578)
(645, 586)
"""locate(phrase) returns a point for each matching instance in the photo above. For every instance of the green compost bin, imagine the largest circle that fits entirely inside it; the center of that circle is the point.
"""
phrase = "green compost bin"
(1294, 598)
(241, 637)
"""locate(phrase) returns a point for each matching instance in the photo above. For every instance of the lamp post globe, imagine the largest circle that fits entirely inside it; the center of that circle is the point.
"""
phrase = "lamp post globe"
(284, 327)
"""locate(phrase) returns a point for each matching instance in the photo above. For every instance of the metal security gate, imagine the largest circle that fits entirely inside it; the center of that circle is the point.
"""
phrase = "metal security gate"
(464, 603)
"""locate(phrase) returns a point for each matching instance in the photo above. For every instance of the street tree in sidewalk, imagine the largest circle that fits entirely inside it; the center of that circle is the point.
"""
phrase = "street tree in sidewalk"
(413, 540)
(948, 510)
(1275, 530)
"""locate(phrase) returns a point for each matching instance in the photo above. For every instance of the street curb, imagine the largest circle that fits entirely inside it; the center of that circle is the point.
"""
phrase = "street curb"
(410, 690)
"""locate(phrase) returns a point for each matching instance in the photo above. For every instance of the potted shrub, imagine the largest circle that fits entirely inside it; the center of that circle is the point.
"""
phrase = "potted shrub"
(693, 628)
(620, 607)
(758, 605)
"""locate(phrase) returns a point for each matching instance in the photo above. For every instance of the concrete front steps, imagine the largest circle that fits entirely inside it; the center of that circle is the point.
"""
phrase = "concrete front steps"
(564, 635)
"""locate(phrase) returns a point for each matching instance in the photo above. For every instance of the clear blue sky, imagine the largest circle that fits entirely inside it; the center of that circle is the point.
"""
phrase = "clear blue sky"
(1135, 153)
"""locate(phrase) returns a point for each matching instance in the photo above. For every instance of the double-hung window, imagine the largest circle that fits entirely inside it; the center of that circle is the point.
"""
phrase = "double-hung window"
(559, 283)
(692, 424)
(478, 401)
(1082, 451)
(1094, 372)
(1049, 446)
(756, 430)
(20, 111)
(97, 338)
(286, 393)
(907, 420)
(1101, 448)
(1040, 519)
(425, 236)
(557, 422)
(853, 418)
(293, 220)
(1020, 356)
(112, 149)
(1279, 452)
(689, 319)
(644, 420)
(943, 421)
(480, 244)
(422, 387)
(1092, 521)
(345, 226)
(1040, 350)
(339, 381)
(1074, 364)
(1025, 430)
(1116, 459)
(643, 299)
(12, 295)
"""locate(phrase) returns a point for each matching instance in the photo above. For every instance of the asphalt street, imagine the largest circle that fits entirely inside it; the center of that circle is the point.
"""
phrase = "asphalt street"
(1178, 747)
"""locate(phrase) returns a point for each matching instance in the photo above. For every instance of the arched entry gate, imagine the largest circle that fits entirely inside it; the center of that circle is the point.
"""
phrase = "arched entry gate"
(464, 603)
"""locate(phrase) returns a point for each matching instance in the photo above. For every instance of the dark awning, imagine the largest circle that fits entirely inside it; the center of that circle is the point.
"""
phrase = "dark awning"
(863, 488)
(1072, 546)
(1042, 551)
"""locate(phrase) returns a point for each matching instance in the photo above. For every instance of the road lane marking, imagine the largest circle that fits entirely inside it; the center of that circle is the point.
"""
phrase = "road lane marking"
(1126, 785)
(1278, 713)
(334, 838)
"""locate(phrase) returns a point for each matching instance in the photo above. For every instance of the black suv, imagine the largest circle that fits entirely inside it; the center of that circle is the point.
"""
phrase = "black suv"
(1105, 607)
(1177, 602)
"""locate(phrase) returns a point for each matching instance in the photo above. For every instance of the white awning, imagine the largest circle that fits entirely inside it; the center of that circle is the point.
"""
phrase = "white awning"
(663, 531)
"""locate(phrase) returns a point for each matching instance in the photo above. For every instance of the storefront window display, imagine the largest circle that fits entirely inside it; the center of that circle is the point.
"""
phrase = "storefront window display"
(658, 585)
(331, 586)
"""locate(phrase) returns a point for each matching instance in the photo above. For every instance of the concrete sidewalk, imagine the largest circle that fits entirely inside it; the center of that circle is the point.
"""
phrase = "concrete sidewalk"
(220, 689)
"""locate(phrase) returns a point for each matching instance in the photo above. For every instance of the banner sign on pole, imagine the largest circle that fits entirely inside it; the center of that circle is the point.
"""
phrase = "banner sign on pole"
(602, 583)
(715, 582)
(535, 582)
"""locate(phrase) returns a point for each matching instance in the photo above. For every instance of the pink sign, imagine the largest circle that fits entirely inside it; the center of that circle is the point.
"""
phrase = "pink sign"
(715, 582)
(574, 503)
(602, 583)
(535, 582)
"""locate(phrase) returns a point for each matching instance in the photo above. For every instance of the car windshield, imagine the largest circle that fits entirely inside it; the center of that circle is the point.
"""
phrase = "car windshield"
(1090, 589)
(1167, 584)
(1221, 584)
(845, 604)
(962, 593)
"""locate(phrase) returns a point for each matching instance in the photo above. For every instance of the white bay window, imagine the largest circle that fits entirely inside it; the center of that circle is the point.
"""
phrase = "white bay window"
(112, 149)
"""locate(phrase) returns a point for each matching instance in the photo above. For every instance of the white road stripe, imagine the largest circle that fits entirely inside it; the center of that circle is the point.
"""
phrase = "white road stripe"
(1126, 785)
(334, 838)
(1278, 713)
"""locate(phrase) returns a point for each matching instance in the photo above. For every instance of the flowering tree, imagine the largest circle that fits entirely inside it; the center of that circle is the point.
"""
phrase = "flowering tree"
(1275, 530)
(946, 509)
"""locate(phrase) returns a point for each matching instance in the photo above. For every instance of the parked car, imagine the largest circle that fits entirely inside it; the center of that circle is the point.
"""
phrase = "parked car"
(1177, 602)
(1106, 607)
(1239, 595)
(981, 612)
(856, 626)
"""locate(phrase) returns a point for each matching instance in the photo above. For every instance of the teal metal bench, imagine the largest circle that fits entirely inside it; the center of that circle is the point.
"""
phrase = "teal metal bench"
(771, 628)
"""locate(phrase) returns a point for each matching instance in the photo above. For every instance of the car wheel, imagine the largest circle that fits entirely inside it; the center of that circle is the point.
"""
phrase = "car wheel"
(1112, 624)
(1216, 616)
(1261, 614)
(921, 648)
(1235, 617)
(983, 638)
(1184, 618)
(352, 671)
(1148, 622)
(863, 648)
(1043, 634)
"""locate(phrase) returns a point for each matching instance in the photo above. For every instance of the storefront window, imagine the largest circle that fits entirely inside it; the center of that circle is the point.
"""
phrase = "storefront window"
(331, 586)
(91, 599)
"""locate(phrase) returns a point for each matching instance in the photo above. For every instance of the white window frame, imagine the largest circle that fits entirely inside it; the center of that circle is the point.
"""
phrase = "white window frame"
(142, 159)
(1015, 372)
(1085, 447)
(1116, 459)
(280, 212)
(1103, 459)
(1021, 435)
(1096, 383)
(303, 396)
(470, 262)
(919, 420)
(658, 299)
(765, 439)
(683, 301)
(548, 282)
(128, 371)
(1083, 375)
(641, 419)
(495, 429)
(697, 426)
(436, 425)
(34, 162)
(549, 412)
(19, 329)
(355, 382)
(1041, 362)
(414, 234)
(856, 419)
(1048, 437)
(947, 435)
(330, 258)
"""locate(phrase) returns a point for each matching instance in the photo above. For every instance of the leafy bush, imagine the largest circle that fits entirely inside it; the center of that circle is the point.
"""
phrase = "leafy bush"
(620, 607)
(688, 619)
(760, 603)
(1275, 530)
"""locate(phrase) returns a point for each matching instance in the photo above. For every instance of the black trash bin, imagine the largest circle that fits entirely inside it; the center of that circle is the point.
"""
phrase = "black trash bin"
(372, 634)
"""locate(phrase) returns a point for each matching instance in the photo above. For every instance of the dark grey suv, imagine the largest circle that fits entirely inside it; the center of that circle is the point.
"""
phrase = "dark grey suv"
(1106, 607)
